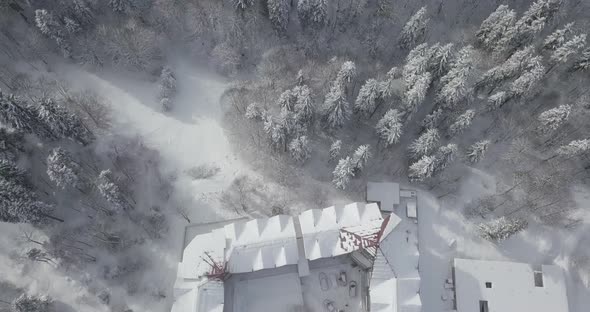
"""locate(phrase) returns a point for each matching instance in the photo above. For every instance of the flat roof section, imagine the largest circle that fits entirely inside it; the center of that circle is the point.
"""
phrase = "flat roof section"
(385, 193)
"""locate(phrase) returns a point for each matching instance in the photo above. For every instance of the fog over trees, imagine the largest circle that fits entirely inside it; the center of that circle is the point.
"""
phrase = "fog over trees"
(322, 96)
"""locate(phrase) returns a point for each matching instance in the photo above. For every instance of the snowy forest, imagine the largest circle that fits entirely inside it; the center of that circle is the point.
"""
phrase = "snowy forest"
(123, 121)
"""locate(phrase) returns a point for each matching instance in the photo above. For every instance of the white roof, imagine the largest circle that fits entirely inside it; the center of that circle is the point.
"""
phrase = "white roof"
(198, 296)
(386, 193)
(321, 228)
(383, 285)
(512, 289)
(261, 244)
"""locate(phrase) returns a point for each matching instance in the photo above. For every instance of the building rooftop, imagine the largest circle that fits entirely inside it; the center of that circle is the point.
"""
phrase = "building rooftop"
(384, 193)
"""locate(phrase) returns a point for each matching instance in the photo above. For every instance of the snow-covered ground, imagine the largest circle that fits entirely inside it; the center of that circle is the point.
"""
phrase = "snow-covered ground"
(442, 223)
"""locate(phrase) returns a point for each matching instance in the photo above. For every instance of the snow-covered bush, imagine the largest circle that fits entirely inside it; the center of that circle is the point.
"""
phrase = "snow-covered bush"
(501, 228)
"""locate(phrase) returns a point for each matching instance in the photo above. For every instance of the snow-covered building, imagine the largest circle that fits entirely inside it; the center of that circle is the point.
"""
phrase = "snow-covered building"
(292, 242)
(386, 194)
(499, 286)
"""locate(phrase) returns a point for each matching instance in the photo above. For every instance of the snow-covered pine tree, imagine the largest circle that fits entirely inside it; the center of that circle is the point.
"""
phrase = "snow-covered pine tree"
(346, 74)
(493, 28)
(414, 30)
(335, 150)
(82, 13)
(254, 111)
(343, 172)
(432, 120)
(387, 86)
(574, 148)
(278, 13)
(26, 303)
(18, 204)
(366, 100)
(497, 99)
(416, 65)
(167, 88)
(287, 100)
(476, 152)
(110, 191)
(389, 127)
(583, 61)
(335, 111)
(569, 48)
(424, 144)
(118, 5)
(550, 120)
(440, 59)
(361, 157)
(10, 172)
(304, 107)
(558, 37)
(525, 85)
(422, 169)
(62, 169)
(414, 96)
(312, 12)
(462, 122)
(501, 228)
(445, 156)
(299, 149)
(47, 23)
(20, 116)
(513, 66)
(242, 4)
(455, 84)
(11, 143)
(71, 26)
(62, 123)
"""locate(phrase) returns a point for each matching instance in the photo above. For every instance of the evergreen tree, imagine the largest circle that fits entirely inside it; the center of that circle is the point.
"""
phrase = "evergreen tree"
(493, 28)
(243, 4)
(11, 143)
(583, 61)
(335, 149)
(118, 6)
(511, 68)
(574, 148)
(167, 88)
(343, 172)
(110, 191)
(253, 111)
(26, 303)
(476, 152)
(312, 12)
(47, 23)
(387, 87)
(422, 169)
(416, 94)
(432, 120)
(569, 48)
(455, 86)
(361, 156)
(10, 172)
(287, 100)
(304, 108)
(62, 169)
(19, 116)
(414, 30)
(550, 120)
(424, 144)
(346, 74)
(462, 122)
(299, 149)
(558, 37)
(278, 13)
(416, 65)
(501, 228)
(440, 59)
(497, 99)
(525, 85)
(336, 108)
(444, 156)
(19, 204)
(62, 123)
(389, 127)
(366, 100)
(82, 13)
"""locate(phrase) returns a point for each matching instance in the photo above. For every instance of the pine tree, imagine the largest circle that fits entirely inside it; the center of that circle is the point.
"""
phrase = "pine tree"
(336, 108)
(167, 88)
(299, 149)
(432, 120)
(416, 94)
(71, 26)
(550, 120)
(47, 23)
(82, 13)
(414, 30)
(19, 116)
(501, 228)
(387, 87)
(444, 157)
(476, 152)
(558, 37)
(366, 100)
(583, 61)
(569, 48)
(361, 157)
(304, 107)
(10, 172)
(62, 169)
(455, 86)
(278, 13)
(118, 6)
(19, 204)
(253, 111)
(422, 169)
(493, 28)
(287, 100)
(335, 149)
(243, 4)
(513, 66)
(462, 122)
(62, 123)
(497, 99)
(312, 12)
(346, 74)
(424, 144)
(389, 127)
(440, 59)
(416, 65)
(525, 85)
(343, 172)
(11, 143)
(26, 303)
(574, 148)
(110, 191)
